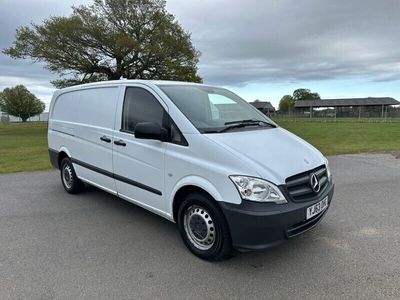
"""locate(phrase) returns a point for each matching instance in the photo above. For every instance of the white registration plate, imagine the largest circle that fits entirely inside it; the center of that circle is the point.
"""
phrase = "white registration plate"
(317, 208)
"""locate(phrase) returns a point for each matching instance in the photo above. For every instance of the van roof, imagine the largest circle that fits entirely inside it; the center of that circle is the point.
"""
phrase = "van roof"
(123, 81)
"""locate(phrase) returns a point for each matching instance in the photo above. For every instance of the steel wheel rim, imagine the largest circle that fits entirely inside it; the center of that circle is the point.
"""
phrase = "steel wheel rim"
(67, 176)
(199, 227)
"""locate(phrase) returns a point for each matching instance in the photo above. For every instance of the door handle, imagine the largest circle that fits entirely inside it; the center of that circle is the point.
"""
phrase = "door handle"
(120, 143)
(105, 139)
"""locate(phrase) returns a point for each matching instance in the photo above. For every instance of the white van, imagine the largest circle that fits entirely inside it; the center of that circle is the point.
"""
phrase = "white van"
(197, 155)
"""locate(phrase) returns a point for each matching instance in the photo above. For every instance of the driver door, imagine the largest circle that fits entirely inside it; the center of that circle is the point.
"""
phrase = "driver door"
(139, 163)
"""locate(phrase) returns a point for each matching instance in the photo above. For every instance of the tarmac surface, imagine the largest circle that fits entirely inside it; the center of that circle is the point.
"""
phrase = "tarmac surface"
(96, 246)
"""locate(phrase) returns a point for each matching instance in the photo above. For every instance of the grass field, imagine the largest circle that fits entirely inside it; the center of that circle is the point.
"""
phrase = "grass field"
(23, 147)
(346, 137)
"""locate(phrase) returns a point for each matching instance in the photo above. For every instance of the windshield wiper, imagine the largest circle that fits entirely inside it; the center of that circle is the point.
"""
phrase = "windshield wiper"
(244, 123)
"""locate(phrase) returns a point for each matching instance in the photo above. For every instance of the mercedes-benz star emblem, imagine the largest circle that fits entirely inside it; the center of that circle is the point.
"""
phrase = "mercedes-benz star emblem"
(314, 181)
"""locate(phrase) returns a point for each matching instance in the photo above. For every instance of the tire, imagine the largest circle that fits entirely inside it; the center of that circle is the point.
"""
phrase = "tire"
(203, 227)
(71, 183)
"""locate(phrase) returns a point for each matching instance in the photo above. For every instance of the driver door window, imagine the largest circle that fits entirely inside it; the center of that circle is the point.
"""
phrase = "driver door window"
(140, 106)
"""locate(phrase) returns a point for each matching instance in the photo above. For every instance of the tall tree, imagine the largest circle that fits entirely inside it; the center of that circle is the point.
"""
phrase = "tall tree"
(286, 104)
(109, 40)
(305, 94)
(18, 101)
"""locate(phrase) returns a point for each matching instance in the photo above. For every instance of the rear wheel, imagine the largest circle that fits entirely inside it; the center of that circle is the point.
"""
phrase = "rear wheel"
(71, 183)
(203, 227)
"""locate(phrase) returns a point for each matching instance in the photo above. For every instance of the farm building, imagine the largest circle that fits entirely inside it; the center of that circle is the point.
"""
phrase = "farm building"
(370, 107)
(264, 106)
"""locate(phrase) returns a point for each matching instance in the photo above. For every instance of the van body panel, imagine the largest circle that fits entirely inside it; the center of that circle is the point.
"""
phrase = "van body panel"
(140, 161)
(273, 153)
(74, 126)
(206, 164)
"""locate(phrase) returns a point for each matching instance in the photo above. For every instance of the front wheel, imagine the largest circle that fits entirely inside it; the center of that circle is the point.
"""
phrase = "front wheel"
(203, 227)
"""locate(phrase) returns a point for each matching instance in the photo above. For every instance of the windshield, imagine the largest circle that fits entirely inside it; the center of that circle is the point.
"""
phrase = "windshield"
(213, 109)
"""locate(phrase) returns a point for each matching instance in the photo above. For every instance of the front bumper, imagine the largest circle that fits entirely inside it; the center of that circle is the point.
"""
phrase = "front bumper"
(256, 226)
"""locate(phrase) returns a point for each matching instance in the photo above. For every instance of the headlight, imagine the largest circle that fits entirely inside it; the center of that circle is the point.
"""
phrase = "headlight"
(255, 189)
(328, 170)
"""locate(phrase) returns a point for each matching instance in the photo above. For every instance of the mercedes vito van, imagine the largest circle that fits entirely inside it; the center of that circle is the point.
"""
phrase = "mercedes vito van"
(197, 155)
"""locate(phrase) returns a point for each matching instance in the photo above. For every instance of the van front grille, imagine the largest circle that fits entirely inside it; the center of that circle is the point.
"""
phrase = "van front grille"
(299, 186)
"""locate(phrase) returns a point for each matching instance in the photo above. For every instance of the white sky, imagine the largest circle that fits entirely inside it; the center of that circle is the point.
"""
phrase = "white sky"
(260, 49)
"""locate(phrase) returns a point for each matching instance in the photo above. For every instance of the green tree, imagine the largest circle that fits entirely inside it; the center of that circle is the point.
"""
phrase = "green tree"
(18, 101)
(110, 39)
(286, 104)
(305, 94)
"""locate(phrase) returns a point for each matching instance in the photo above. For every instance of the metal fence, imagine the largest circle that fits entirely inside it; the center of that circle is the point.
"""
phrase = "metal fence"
(6, 118)
(373, 113)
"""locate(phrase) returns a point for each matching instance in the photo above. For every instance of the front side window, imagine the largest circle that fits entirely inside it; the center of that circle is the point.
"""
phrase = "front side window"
(214, 109)
(140, 106)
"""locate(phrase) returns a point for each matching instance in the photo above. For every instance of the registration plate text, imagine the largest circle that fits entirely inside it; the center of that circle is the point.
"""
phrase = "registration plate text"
(317, 208)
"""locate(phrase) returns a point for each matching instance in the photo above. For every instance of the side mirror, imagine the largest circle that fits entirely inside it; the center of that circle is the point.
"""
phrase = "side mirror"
(150, 131)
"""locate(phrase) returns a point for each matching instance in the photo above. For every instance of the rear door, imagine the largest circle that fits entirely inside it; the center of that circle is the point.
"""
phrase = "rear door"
(138, 163)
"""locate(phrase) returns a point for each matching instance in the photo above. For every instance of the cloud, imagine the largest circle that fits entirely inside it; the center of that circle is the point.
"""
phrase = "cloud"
(15, 13)
(284, 41)
(41, 88)
(252, 42)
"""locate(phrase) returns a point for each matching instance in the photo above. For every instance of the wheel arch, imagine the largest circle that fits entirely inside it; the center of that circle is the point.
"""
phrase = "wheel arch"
(189, 185)
(62, 153)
